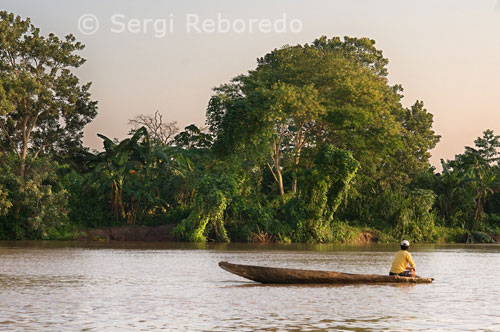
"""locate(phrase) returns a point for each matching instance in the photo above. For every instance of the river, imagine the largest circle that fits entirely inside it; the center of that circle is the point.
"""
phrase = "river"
(75, 286)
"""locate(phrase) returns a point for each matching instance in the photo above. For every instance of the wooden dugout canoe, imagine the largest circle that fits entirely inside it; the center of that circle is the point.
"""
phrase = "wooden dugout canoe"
(273, 275)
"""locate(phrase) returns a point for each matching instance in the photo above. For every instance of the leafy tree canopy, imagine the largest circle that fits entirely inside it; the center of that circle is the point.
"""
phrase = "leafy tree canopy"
(43, 107)
(331, 91)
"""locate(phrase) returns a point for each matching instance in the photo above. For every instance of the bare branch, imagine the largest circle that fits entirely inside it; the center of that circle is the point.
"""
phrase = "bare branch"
(271, 169)
(39, 150)
(160, 131)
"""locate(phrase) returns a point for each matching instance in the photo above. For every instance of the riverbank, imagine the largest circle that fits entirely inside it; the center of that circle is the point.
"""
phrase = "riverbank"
(164, 233)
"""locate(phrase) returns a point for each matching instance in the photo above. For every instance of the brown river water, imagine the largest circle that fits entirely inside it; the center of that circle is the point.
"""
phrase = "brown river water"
(75, 286)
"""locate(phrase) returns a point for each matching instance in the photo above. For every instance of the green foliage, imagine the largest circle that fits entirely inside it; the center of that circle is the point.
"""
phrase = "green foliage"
(302, 148)
(494, 222)
(44, 108)
(343, 232)
(212, 197)
(131, 173)
(465, 188)
(486, 147)
(86, 205)
(414, 218)
(5, 203)
(304, 227)
(338, 168)
(449, 235)
(479, 237)
(349, 104)
(172, 216)
(334, 92)
(247, 217)
(193, 138)
(399, 215)
(39, 203)
(418, 139)
(310, 213)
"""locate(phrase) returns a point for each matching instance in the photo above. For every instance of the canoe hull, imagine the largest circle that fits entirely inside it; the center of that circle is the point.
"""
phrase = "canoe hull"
(271, 275)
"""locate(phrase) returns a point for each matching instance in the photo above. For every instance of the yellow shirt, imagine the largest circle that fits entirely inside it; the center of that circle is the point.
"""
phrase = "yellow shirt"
(401, 259)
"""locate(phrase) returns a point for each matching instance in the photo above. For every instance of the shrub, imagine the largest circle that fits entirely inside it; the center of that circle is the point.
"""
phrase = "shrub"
(207, 216)
(39, 202)
(414, 219)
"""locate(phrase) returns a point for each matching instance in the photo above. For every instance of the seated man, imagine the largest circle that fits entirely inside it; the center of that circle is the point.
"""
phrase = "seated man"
(401, 260)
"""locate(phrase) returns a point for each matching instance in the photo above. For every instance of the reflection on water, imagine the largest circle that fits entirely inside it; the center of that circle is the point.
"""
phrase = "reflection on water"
(255, 285)
(73, 286)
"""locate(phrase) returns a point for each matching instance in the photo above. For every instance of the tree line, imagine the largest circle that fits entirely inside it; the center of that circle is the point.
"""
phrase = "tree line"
(311, 145)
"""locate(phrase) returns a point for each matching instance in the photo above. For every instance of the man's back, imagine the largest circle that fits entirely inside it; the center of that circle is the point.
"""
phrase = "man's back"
(401, 259)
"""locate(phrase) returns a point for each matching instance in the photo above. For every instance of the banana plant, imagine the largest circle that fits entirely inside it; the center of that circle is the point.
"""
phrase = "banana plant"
(134, 172)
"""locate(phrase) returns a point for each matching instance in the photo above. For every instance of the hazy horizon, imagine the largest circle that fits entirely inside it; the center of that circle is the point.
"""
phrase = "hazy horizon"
(444, 53)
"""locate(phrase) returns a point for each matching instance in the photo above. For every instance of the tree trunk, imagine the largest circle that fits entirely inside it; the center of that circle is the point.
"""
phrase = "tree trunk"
(22, 168)
(114, 200)
(24, 152)
(299, 143)
(277, 174)
(27, 128)
(277, 167)
(297, 161)
(120, 202)
(280, 181)
(477, 211)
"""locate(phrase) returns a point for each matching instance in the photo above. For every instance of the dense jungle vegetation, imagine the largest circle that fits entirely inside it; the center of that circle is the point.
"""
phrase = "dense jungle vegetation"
(311, 145)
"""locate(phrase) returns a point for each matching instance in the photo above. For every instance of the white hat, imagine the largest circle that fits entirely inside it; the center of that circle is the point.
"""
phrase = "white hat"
(405, 243)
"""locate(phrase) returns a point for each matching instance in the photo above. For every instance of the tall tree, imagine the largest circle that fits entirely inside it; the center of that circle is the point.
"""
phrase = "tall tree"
(487, 146)
(418, 138)
(43, 107)
(467, 182)
(193, 138)
(295, 113)
(484, 153)
(349, 105)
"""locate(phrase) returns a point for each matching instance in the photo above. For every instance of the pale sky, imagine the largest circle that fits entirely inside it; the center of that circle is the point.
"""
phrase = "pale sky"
(444, 52)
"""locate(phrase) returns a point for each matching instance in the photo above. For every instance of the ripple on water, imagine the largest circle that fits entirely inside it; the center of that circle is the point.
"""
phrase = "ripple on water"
(73, 288)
